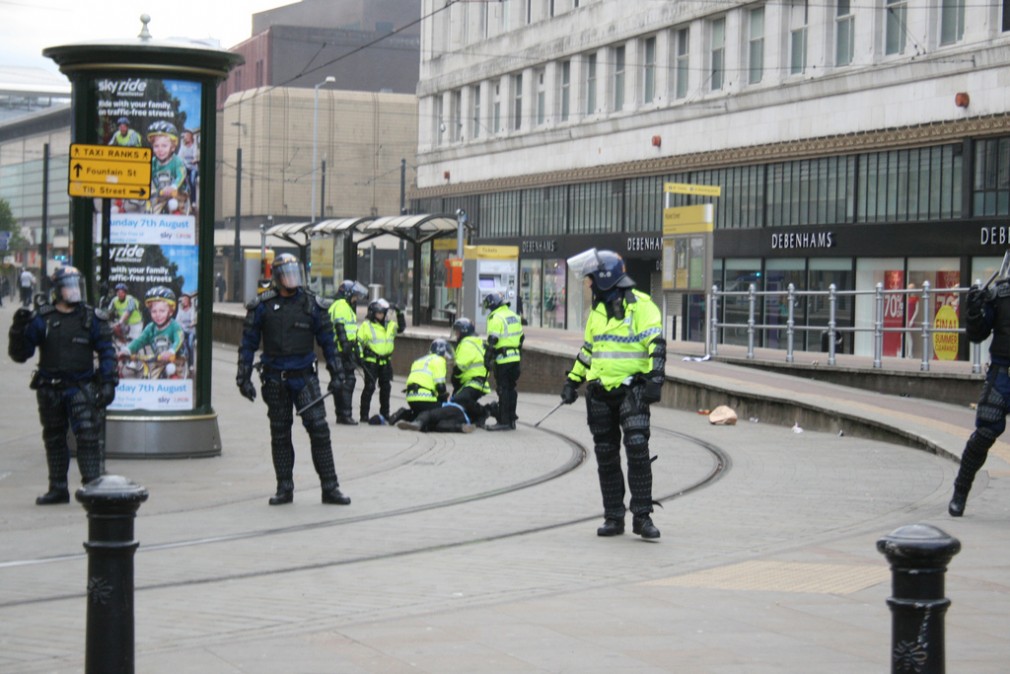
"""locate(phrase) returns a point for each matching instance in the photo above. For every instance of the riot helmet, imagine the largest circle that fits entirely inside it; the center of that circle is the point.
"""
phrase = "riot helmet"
(352, 291)
(68, 285)
(376, 307)
(463, 327)
(493, 300)
(286, 272)
(605, 269)
(439, 347)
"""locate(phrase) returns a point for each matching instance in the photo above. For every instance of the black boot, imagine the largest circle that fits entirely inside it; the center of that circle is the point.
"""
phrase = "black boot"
(346, 421)
(333, 496)
(643, 526)
(501, 426)
(957, 502)
(285, 493)
(58, 493)
(611, 527)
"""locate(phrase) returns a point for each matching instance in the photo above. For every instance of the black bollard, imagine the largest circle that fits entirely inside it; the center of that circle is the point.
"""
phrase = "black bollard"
(918, 555)
(112, 503)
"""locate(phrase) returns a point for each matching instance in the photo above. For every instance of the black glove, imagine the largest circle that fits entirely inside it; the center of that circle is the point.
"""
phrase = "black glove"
(570, 392)
(653, 389)
(336, 384)
(107, 393)
(975, 300)
(441, 392)
(244, 381)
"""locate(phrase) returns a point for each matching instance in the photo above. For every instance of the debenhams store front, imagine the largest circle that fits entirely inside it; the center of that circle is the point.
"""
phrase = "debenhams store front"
(898, 216)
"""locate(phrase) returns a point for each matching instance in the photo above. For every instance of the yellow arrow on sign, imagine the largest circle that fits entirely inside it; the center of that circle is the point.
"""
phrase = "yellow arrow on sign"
(110, 152)
(697, 190)
(109, 172)
(108, 191)
(113, 172)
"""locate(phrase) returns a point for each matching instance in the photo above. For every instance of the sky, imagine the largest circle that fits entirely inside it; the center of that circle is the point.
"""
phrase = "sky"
(29, 26)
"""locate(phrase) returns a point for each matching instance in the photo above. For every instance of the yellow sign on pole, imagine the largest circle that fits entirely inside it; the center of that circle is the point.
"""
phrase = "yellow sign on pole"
(688, 219)
(696, 190)
(109, 172)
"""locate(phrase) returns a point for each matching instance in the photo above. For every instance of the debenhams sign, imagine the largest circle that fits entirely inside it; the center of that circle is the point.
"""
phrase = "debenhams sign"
(803, 240)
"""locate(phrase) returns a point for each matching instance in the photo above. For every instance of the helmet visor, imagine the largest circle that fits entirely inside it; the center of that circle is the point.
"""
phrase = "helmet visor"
(70, 288)
(584, 263)
(289, 275)
(358, 292)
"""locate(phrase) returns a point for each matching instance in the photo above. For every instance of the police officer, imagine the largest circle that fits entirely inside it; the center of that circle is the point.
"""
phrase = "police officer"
(427, 396)
(344, 317)
(988, 312)
(70, 394)
(623, 359)
(377, 338)
(504, 340)
(469, 373)
(287, 318)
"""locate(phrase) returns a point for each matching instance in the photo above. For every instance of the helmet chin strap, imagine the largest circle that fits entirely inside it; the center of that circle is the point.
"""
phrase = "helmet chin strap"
(613, 300)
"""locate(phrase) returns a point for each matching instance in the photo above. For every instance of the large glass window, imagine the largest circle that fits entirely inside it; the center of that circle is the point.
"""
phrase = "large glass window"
(643, 198)
(683, 61)
(913, 184)
(597, 207)
(811, 191)
(741, 205)
(951, 21)
(555, 273)
(869, 272)
(717, 53)
(823, 273)
(649, 70)
(991, 183)
(756, 45)
(943, 274)
(530, 293)
(779, 273)
(845, 36)
(500, 215)
(740, 274)
(894, 26)
(619, 78)
(545, 210)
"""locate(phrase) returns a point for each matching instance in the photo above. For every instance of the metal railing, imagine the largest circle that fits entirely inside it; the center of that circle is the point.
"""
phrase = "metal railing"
(923, 327)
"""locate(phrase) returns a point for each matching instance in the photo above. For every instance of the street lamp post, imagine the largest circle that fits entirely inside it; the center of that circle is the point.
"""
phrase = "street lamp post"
(330, 79)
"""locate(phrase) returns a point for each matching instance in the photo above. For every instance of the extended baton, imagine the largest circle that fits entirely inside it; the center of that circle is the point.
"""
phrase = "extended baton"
(556, 408)
(314, 402)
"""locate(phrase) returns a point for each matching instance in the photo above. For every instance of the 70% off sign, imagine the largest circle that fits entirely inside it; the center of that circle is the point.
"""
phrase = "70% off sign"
(109, 172)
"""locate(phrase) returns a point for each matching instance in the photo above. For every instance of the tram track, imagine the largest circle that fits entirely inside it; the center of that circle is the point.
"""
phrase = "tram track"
(720, 464)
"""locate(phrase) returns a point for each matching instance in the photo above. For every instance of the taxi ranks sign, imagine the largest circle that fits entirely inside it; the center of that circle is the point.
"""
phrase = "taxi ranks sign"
(109, 172)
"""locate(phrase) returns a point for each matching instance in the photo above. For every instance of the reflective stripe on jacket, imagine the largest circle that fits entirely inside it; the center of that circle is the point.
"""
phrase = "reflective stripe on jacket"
(426, 373)
(506, 326)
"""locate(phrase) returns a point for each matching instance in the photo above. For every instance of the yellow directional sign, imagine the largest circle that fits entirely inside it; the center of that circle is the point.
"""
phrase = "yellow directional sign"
(109, 172)
(697, 190)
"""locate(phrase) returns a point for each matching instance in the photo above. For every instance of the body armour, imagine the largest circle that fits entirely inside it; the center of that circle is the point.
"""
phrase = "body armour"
(68, 346)
(1000, 347)
(287, 325)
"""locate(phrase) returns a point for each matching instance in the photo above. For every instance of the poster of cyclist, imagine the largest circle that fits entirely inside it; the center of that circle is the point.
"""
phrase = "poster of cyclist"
(153, 243)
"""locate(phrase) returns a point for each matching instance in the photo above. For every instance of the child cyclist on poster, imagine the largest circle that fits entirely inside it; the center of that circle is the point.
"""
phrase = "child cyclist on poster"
(168, 170)
(163, 335)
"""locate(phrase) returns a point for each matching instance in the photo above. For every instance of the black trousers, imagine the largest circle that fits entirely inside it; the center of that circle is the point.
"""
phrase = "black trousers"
(468, 398)
(345, 405)
(72, 408)
(506, 377)
(376, 374)
(609, 415)
(282, 397)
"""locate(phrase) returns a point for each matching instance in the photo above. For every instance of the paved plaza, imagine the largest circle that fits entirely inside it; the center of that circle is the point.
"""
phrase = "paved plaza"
(477, 553)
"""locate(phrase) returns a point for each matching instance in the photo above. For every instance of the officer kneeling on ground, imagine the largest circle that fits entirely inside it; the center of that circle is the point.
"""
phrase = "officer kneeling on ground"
(70, 394)
(469, 373)
(623, 359)
(428, 398)
(287, 319)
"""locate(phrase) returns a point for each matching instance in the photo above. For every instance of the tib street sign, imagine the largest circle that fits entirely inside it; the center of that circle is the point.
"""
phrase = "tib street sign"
(109, 172)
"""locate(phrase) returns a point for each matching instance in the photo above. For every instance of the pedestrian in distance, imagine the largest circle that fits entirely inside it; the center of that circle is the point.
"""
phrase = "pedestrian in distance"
(428, 398)
(344, 317)
(288, 321)
(26, 281)
(376, 341)
(504, 354)
(623, 361)
(469, 373)
(70, 392)
(220, 285)
(987, 313)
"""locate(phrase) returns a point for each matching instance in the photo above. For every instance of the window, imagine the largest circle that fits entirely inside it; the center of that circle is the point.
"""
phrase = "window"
(439, 121)
(682, 62)
(756, 45)
(718, 53)
(894, 26)
(798, 37)
(541, 97)
(951, 21)
(475, 111)
(517, 101)
(456, 116)
(649, 70)
(991, 184)
(566, 90)
(590, 82)
(844, 34)
(496, 125)
(618, 79)
(912, 184)
(1006, 15)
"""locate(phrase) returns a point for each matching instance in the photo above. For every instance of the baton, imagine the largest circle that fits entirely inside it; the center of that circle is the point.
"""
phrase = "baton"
(314, 402)
(556, 408)
(1003, 266)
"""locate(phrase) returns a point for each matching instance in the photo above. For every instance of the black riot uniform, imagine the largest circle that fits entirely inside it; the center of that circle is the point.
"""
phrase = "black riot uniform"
(988, 312)
(289, 321)
(70, 392)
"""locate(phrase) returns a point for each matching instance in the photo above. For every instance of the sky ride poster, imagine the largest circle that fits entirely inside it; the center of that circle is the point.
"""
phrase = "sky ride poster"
(154, 247)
